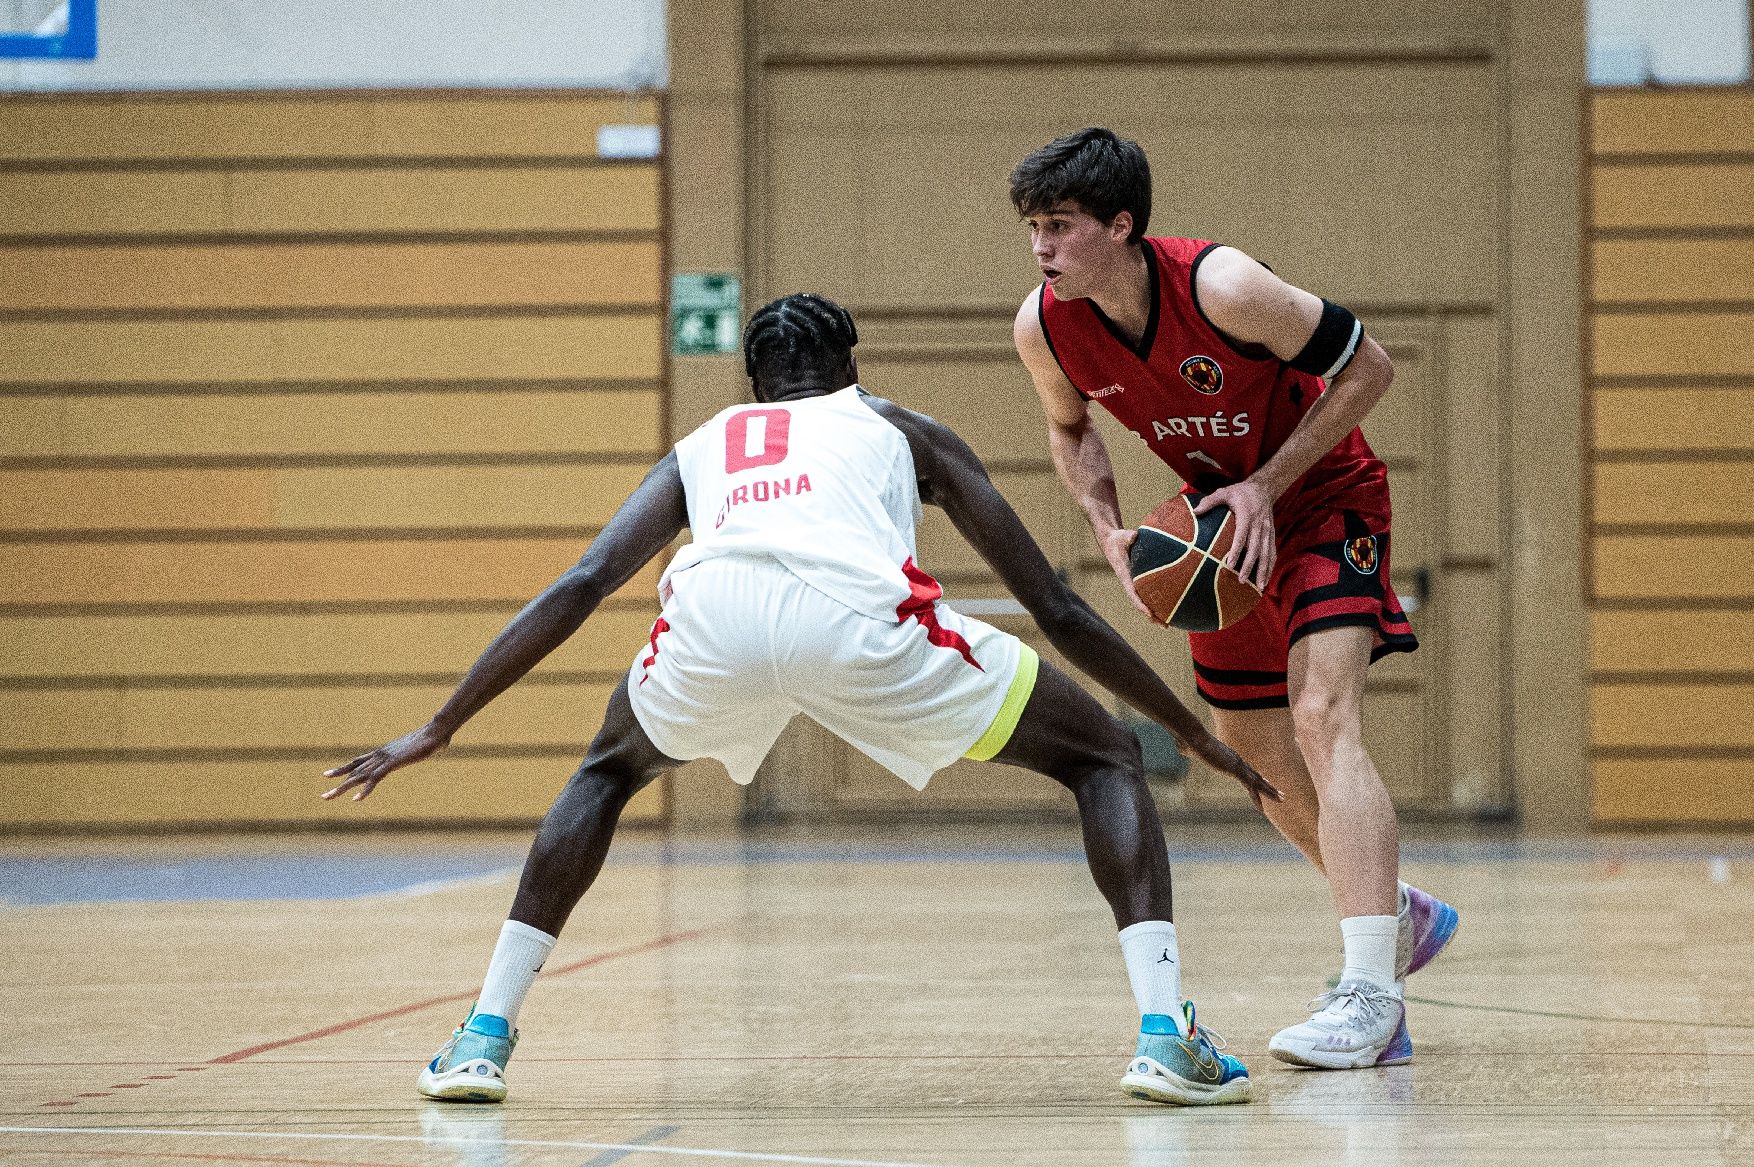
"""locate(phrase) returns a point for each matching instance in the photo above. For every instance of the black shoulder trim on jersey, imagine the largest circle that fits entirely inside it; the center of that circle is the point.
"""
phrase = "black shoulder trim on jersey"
(1248, 352)
(1041, 314)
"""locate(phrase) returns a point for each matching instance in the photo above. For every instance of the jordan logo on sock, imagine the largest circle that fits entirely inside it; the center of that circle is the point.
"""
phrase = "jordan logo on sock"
(1166, 958)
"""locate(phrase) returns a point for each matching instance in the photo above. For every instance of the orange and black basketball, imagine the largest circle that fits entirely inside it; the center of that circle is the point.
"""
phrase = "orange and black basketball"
(1178, 567)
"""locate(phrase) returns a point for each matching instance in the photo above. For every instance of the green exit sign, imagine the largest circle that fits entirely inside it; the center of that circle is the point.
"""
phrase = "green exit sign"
(705, 313)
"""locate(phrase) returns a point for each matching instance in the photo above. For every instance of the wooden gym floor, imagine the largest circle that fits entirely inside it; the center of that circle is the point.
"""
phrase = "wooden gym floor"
(883, 998)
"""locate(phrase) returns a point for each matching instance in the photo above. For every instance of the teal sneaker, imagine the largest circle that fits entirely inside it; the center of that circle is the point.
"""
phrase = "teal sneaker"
(471, 1066)
(1184, 1071)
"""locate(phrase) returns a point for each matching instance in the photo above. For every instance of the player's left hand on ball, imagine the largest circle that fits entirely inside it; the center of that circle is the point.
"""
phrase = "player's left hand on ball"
(364, 773)
(1227, 761)
(1255, 546)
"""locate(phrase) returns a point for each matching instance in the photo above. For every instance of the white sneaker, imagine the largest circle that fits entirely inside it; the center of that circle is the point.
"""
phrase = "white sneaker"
(1355, 1025)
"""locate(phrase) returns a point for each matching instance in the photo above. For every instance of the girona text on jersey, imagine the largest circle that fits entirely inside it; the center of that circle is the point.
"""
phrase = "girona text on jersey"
(764, 490)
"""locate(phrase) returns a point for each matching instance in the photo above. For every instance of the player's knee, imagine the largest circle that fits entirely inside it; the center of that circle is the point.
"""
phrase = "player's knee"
(1323, 721)
(1116, 750)
(605, 781)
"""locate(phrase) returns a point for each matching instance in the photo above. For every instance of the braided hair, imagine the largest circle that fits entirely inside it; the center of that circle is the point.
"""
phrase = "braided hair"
(798, 335)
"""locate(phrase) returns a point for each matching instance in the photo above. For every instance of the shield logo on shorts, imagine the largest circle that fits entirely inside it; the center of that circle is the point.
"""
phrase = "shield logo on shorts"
(1361, 554)
(1204, 374)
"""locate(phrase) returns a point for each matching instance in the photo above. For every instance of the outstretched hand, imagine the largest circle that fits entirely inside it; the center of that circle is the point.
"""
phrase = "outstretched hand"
(1117, 546)
(1227, 761)
(367, 770)
(1255, 546)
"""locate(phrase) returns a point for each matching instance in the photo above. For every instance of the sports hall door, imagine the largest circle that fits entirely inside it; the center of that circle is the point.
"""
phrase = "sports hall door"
(881, 182)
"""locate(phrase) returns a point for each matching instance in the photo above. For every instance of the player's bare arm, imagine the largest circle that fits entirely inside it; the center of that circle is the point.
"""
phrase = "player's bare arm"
(1079, 452)
(644, 525)
(1249, 303)
(953, 478)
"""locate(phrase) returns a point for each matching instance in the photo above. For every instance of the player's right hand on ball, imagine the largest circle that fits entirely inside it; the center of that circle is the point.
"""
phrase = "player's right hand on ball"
(365, 772)
(1117, 547)
(1227, 761)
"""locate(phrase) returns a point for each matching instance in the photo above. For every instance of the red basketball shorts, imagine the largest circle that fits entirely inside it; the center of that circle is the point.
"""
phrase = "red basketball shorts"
(1333, 570)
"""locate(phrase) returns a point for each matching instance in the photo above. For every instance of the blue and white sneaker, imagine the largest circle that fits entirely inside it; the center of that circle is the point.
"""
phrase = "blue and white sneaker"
(471, 1066)
(1184, 1071)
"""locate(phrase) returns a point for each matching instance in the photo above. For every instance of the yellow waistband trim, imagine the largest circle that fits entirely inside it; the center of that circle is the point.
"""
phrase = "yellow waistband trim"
(1011, 712)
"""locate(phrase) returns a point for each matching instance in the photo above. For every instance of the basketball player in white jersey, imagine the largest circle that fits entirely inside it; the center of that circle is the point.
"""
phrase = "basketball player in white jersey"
(800, 594)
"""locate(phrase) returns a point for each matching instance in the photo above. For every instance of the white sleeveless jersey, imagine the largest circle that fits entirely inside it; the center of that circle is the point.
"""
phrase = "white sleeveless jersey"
(823, 485)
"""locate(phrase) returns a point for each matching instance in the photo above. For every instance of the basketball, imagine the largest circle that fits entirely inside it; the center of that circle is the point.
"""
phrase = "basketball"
(1178, 567)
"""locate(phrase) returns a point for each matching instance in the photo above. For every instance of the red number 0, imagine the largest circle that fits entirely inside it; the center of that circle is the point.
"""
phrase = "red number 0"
(776, 434)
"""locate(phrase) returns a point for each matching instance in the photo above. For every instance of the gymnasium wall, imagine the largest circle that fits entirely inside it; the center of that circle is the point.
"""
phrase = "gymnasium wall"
(1671, 361)
(1416, 160)
(301, 397)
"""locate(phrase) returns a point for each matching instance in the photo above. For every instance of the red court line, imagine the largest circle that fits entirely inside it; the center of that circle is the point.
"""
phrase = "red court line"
(449, 999)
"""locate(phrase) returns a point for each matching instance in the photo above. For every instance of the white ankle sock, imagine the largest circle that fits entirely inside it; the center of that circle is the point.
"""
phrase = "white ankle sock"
(517, 958)
(1370, 949)
(1400, 897)
(1154, 968)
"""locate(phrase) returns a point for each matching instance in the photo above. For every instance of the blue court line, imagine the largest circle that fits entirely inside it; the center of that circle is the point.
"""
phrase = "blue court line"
(327, 873)
(616, 1156)
(318, 875)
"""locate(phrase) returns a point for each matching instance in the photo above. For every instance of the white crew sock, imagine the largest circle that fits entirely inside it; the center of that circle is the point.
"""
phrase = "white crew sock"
(1400, 897)
(517, 958)
(1370, 950)
(1155, 970)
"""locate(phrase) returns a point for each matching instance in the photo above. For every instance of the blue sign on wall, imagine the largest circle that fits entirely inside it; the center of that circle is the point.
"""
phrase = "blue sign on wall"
(79, 42)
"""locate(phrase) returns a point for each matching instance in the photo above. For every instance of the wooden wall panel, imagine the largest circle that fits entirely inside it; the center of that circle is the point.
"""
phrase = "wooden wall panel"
(266, 351)
(1672, 633)
(1645, 641)
(1672, 121)
(343, 718)
(992, 28)
(848, 146)
(1710, 420)
(215, 426)
(328, 200)
(1673, 195)
(1665, 716)
(1658, 792)
(1677, 567)
(303, 396)
(368, 126)
(1651, 344)
(1674, 492)
(231, 278)
(330, 570)
(316, 498)
(194, 792)
(76, 649)
(1676, 271)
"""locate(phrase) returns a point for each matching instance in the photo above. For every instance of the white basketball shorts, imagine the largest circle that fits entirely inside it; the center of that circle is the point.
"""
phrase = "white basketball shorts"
(744, 645)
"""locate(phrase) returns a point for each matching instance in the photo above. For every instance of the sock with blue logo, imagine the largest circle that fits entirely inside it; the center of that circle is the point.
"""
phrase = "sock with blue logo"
(1154, 968)
(517, 958)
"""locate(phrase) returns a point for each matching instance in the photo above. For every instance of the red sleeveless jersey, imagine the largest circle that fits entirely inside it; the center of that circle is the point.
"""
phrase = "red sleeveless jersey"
(1214, 413)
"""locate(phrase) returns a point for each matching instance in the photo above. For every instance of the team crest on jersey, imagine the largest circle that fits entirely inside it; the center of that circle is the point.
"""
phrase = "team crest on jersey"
(1361, 554)
(1204, 374)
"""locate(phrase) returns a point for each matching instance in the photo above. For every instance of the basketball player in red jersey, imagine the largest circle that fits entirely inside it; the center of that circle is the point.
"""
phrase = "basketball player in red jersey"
(1252, 390)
